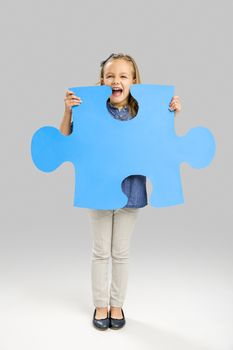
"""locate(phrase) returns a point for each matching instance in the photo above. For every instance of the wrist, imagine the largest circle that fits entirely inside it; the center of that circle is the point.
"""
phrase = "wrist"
(68, 111)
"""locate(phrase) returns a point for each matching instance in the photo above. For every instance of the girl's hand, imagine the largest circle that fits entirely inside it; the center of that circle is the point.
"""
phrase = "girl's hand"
(71, 100)
(175, 104)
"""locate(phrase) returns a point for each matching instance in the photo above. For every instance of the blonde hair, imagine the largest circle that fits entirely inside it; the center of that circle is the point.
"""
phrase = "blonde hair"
(133, 105)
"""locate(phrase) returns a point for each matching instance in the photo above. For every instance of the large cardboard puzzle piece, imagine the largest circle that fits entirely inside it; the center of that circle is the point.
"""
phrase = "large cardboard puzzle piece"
(104, 150)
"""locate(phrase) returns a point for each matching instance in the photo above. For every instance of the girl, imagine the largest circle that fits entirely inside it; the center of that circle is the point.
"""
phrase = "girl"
(112, 229)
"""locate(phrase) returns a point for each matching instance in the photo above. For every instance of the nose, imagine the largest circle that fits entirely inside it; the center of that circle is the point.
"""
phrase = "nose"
(115, 81)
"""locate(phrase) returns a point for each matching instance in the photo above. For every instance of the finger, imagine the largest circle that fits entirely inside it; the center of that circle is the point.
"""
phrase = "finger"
(73, 98)
(175, 104)
(70, 102)
(75, 103)
(68, 93)
(71, 95)
(175, 99)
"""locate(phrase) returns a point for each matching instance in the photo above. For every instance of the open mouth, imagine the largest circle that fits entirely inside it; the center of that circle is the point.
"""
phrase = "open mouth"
(117, 91)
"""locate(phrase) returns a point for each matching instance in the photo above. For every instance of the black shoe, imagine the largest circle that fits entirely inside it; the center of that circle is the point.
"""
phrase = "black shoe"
(101, 324)
(117, 323)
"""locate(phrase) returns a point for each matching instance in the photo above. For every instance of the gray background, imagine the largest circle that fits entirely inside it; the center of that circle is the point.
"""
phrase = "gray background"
(180, 285)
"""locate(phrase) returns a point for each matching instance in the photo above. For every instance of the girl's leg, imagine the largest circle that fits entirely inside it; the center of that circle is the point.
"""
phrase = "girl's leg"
(101, 221)
(124, 220)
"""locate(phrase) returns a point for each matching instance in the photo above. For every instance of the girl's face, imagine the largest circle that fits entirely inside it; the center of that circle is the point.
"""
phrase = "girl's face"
(119, 74)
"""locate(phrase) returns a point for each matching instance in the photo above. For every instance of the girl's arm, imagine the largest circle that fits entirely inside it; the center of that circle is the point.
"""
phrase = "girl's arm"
(65, 126)
(70, 100)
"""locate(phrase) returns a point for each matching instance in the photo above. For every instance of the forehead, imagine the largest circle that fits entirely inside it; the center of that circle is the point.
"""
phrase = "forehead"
(119, 66)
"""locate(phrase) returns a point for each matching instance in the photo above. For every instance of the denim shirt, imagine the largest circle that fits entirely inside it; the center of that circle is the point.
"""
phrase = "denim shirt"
(133, 186)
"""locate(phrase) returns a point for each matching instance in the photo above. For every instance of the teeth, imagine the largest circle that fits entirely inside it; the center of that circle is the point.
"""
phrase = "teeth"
(116, 88)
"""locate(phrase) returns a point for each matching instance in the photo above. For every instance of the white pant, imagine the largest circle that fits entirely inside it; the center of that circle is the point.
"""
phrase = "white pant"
(112, 231)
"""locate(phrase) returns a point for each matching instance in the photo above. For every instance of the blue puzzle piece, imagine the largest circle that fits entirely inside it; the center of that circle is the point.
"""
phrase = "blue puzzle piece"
(105, 151)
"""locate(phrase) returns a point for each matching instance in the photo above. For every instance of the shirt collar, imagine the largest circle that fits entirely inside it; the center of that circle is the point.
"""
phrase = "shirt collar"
(119, 109)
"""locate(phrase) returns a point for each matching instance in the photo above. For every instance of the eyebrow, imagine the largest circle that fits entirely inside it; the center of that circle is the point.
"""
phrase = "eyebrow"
(113, 73)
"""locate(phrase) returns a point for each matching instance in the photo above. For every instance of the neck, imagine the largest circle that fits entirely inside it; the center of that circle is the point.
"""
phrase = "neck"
(117, 106)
